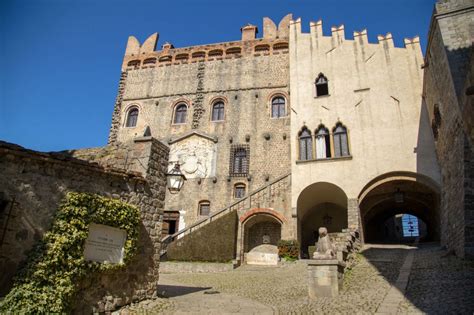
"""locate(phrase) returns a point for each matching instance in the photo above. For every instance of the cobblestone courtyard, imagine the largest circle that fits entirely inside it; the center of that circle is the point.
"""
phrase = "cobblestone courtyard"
(437, 285)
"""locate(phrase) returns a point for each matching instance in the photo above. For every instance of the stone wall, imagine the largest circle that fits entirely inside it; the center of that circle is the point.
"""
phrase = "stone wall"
(246, 83)
(448, 60)
(33, 183)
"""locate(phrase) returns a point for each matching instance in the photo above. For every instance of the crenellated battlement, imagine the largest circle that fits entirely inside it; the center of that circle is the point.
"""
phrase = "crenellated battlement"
(338, 35)
(274, 42)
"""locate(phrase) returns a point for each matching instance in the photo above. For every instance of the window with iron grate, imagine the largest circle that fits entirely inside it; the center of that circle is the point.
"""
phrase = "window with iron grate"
(239, 160)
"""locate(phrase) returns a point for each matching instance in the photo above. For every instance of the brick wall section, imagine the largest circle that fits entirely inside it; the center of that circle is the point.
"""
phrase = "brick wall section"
(117, 109)
(37, 182)
(246, 82)
(447, 61)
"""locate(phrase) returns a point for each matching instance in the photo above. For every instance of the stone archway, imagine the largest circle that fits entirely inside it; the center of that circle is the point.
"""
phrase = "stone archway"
(320, 204)
(398, 193)
(261, 232)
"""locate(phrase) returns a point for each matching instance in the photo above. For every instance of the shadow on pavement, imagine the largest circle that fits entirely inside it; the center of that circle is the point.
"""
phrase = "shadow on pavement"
(439, 283)
(169, 291)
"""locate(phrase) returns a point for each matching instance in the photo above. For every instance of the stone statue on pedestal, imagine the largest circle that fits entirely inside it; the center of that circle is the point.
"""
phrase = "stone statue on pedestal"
(324, 248)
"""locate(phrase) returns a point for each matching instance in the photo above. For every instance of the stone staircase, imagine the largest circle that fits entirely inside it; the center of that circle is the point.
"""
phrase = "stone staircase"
(346, 242)
(260, 198)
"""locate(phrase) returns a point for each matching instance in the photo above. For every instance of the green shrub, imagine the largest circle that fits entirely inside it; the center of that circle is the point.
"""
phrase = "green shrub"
(288, 249)
(56, 265)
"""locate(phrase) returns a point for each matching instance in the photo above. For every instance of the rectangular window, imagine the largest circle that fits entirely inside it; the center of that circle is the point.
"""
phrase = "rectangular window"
(239, 160)
(239, 191)
(204, 208)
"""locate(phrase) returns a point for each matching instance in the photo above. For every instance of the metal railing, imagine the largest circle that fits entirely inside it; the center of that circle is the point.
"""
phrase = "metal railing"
(253, 199)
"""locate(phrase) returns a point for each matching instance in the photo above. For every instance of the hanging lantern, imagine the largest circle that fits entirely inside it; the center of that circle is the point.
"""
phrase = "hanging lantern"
(175, 179)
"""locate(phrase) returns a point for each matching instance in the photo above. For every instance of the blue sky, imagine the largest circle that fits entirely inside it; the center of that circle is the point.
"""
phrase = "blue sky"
(61, 58)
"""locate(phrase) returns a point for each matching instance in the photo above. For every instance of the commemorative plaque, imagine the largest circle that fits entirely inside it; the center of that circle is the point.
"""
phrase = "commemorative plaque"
(105, 244)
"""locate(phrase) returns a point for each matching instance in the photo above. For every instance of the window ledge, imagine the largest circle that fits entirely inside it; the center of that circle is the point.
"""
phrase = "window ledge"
(332, 159)
(322, 96)
(217, 121)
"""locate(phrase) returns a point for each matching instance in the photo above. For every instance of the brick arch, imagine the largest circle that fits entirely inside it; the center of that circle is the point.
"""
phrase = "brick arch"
(255, 211)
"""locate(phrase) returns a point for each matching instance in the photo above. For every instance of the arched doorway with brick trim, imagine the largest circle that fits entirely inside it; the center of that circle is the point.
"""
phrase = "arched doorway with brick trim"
(260, 231)
(384, 199)
(320, 204)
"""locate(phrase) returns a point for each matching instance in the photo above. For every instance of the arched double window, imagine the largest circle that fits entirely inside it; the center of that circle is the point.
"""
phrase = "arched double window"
(132, 117)
(323, 143)
(305, 144)
(204, 208)
(218, 111)
(321, 83)
(341, 146)
(278, 107)
(180, 113)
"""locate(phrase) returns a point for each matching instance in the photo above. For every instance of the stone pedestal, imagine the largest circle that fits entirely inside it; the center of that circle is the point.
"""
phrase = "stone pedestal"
(324, 277)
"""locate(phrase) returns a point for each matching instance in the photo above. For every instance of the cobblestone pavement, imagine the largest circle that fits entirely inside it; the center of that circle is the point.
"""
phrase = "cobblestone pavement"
(284, 288)
(439, 284)
(436, 285)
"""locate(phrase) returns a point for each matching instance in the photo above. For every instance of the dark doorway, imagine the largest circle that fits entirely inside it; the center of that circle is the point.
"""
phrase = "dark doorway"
(170, 223)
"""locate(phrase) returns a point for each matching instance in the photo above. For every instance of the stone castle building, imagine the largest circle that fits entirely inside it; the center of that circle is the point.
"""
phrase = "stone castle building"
(277, 136)
(293, 130)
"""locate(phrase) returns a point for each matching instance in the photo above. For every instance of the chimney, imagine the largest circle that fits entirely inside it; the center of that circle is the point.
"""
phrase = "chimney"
(167, 46)
(249, 32)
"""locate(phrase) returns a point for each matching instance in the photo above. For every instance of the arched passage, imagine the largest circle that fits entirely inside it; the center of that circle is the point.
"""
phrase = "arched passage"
(260, 229)
(320, 204)
(386, 197)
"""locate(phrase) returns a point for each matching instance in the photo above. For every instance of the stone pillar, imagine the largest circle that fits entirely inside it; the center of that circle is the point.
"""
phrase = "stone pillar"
(324, 277)
(353, 213)
(239, 256)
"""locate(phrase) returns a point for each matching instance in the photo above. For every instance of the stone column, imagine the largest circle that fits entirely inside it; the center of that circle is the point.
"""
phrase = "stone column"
(239, 257)
(353, 213)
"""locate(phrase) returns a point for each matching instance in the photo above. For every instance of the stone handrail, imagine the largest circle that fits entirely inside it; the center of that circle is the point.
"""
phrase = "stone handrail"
(245, 202)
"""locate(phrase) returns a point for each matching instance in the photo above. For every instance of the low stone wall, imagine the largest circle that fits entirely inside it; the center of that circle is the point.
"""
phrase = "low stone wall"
(194, 267)
(33, 183)
(214, 242)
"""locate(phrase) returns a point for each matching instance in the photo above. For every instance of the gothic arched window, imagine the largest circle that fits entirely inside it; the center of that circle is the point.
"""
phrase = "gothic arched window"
(321, 85)
(323, 144)
(218, 111)
(132, 118)
(180, 114)
(341, 146)
(278, 107)
(306, 145)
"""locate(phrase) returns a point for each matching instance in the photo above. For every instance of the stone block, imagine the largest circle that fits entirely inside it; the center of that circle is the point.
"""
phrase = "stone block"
(324, 278)
(264, 254)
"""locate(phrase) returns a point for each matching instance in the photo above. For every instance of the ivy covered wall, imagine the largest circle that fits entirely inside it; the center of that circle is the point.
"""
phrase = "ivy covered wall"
(33, 184)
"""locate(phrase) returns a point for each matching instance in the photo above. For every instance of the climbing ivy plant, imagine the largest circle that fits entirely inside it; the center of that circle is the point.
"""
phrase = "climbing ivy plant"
(48, 280)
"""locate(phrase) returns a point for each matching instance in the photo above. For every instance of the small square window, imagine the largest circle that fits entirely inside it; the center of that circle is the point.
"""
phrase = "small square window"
(239, 191)
(204, 208)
